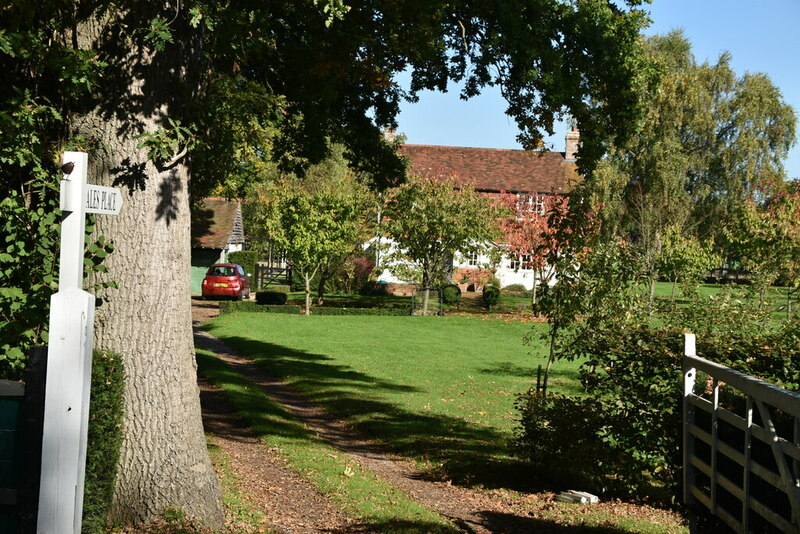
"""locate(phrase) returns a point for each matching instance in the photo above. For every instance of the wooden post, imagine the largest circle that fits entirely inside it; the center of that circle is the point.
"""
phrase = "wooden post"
(689, 376)
(69, 367)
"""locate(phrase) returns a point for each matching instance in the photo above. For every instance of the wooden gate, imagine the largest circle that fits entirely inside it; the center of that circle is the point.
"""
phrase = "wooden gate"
(741, 440)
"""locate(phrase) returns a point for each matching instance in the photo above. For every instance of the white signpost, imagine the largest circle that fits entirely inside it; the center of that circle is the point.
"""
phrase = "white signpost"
(69, 358)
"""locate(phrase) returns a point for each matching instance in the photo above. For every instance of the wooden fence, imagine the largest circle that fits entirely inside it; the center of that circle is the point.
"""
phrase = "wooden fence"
(741, 456)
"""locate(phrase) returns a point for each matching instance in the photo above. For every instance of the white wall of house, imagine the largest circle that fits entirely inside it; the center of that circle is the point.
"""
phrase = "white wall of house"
(505, 271)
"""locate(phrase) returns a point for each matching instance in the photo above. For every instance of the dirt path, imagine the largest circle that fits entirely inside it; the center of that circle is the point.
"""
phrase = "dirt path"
(279, 493)
(284, 495)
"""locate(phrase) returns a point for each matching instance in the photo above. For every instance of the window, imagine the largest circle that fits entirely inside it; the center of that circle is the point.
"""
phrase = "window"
(521, 263)
(472, 259)
(531, 204)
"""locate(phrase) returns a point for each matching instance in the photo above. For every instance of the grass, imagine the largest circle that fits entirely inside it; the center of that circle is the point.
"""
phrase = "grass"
(440, 389)
(359, 493)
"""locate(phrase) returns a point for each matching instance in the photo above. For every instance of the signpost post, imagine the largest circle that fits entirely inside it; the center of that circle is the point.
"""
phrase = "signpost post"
(69, 357)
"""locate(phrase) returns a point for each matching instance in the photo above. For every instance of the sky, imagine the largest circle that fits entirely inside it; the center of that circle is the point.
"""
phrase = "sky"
(763, 36)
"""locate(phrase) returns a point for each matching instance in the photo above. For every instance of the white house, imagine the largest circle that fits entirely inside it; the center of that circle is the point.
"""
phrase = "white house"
(531, 175)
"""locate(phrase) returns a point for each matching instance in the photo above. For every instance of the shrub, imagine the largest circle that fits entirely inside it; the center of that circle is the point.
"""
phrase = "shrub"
(360, 311)
(234, 306)
(374, 289)
(271, 297)
(451, 294)
(515, 288)
(491, 296)
(104, 439)
(633, 377)
(559, 436)
(279, 288)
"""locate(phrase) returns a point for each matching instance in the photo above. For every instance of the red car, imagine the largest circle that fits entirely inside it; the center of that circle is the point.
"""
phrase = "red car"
(226, 280)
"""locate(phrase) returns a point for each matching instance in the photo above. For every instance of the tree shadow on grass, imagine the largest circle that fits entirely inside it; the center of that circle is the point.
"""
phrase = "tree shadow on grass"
(453, 448)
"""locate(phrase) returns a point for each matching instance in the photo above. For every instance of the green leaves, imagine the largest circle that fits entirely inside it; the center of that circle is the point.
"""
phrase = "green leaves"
(168, 143)
(430, 220)
(159, 34)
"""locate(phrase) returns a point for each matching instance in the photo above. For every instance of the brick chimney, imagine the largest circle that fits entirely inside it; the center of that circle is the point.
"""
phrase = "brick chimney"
(389, 134)
(573, 141)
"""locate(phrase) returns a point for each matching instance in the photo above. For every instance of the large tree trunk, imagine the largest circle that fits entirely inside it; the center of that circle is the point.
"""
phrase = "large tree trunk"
(164, 462)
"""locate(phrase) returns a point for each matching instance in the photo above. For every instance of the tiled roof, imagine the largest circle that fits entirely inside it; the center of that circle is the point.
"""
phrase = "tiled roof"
(216, 222)
(489, 169)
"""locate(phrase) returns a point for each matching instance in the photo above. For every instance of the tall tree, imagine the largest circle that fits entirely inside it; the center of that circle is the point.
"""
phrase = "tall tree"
(318, 220)
(320, 71)
(708, 139)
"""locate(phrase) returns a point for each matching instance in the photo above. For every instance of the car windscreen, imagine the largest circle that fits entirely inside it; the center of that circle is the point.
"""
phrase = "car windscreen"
(221, 270)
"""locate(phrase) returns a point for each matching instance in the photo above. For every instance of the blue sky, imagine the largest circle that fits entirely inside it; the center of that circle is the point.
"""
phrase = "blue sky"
(762, 36)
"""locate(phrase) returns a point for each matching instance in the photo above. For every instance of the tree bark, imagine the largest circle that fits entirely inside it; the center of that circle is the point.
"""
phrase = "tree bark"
(307, 277)
(164, 462)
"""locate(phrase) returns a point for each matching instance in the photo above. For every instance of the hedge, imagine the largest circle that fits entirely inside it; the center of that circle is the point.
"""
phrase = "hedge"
(361, 311)
(247, 259)
(245, 306)
(278, 288)
(271, 297)
(104, 439)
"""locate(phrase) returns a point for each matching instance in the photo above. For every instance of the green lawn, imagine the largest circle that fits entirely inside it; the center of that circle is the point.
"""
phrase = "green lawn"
(440, 389)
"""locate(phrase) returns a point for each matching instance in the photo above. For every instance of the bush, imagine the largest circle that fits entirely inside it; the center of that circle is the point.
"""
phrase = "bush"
(361, 311)
(104, 439)
(235, 306)
(271, 297)
(633, 377)
(491, 296)
(279, 288)
(451, 294)
(374, 289)
(515, 288)
(559, 437)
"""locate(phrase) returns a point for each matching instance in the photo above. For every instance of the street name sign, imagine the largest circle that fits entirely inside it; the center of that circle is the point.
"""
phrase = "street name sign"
(99, 199)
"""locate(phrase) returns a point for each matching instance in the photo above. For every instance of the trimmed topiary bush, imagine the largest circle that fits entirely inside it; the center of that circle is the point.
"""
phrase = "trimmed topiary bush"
(491, 296)
(451, 294)
(271, 297)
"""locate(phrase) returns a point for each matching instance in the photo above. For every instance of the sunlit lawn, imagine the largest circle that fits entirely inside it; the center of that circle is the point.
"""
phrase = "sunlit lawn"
(440, 389)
